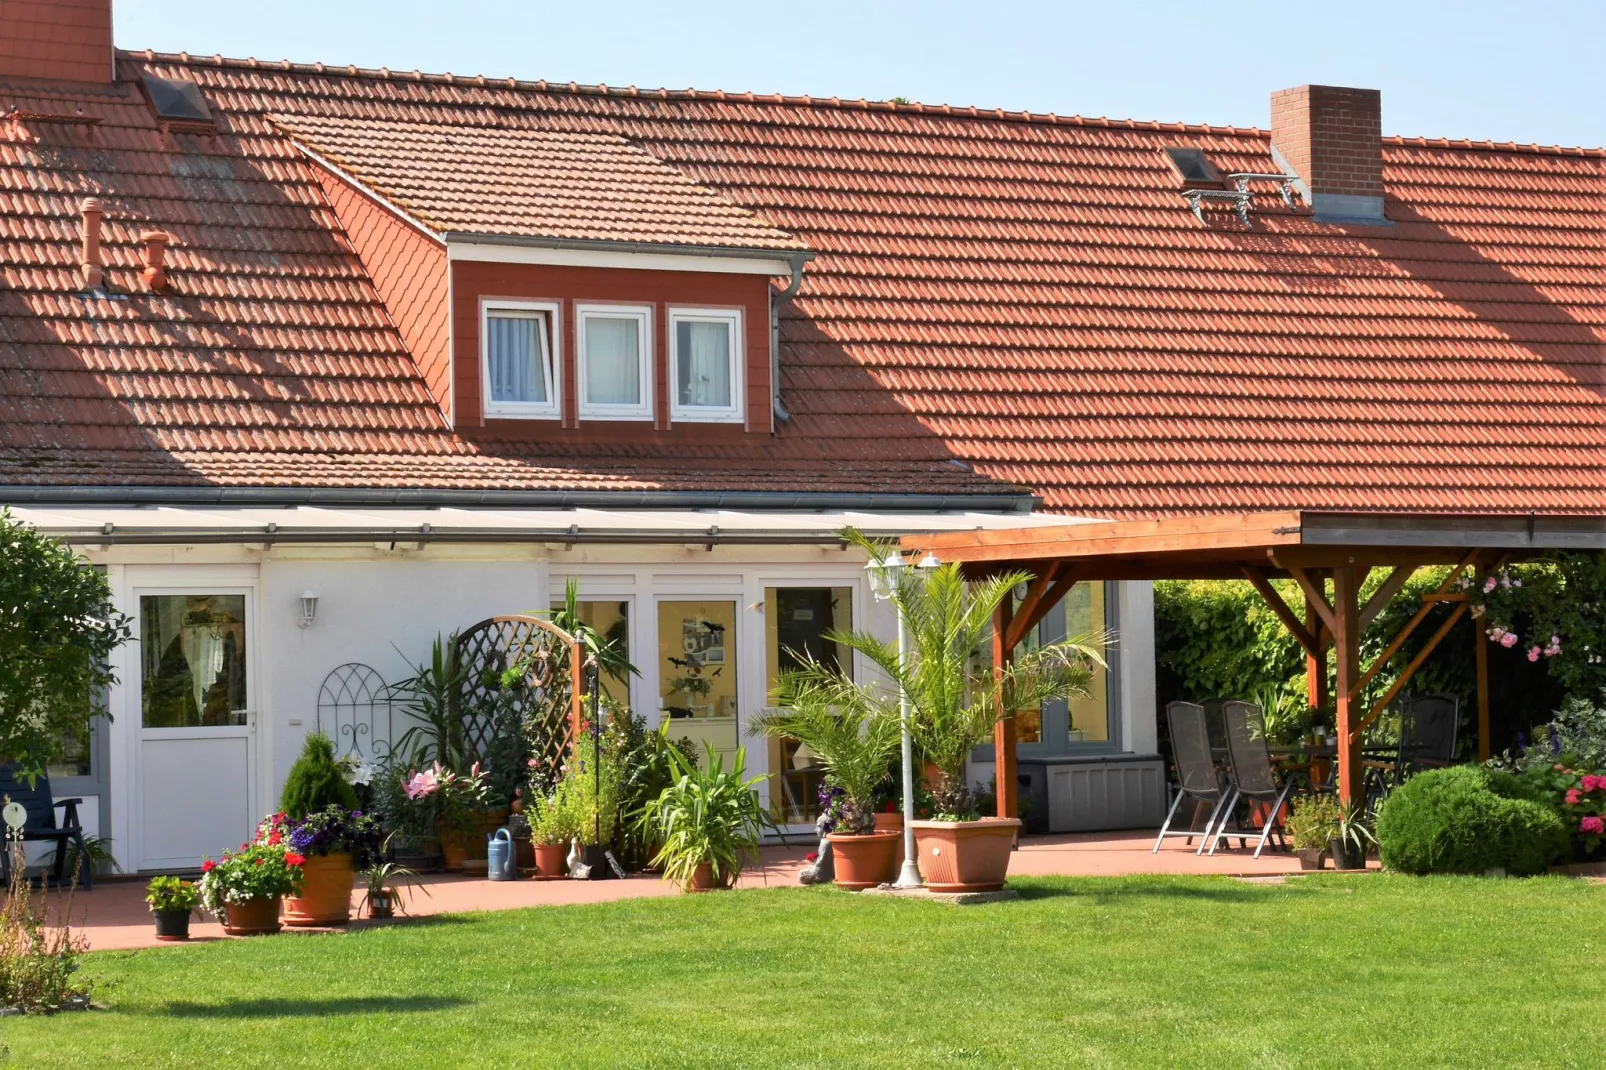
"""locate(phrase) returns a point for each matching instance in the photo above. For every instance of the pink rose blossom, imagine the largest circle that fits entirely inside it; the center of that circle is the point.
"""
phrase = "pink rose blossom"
(1592, 826)
(1508, 640)
(1489, 584)
(1533, 655)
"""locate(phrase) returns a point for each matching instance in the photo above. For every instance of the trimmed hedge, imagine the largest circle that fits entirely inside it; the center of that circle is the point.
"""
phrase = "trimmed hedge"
(1467, 819)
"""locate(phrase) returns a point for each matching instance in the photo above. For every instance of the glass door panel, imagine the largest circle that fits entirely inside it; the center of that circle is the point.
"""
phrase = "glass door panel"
(697, 673)
(797, 624)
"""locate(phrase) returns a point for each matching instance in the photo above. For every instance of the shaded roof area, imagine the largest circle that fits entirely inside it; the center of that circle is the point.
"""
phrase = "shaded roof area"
(1025, 295)
(532, 183)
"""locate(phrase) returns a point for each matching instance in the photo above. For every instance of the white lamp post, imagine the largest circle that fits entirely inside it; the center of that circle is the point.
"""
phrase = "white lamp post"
(884, 579)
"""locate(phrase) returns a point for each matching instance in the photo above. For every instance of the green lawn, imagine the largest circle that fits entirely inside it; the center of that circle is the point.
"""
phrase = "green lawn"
(1360, 971)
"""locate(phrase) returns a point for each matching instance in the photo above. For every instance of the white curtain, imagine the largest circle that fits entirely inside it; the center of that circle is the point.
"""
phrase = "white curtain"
(516, 351)
(613, 360)
(703, 353)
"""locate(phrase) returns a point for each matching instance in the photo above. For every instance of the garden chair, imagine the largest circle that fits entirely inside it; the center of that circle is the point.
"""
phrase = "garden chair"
(1197, 778)
(1251, 774)
(1430, 729)
(41, 823)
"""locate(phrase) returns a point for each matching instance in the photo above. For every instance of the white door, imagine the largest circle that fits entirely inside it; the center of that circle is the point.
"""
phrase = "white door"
(195, 733)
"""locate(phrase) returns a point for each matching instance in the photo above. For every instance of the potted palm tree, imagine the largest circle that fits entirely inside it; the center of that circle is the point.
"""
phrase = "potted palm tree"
(955, 703)
(854, 735)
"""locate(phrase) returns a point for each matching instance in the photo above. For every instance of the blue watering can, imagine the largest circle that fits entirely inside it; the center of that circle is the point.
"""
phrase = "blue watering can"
(502, 863)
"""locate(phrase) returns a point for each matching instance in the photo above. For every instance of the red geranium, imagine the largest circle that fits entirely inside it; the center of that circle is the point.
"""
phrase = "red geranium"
(208, 866)
(293, 859)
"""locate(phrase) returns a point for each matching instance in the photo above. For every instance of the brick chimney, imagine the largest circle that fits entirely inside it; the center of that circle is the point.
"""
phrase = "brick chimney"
(1332, 138)
(59, 40)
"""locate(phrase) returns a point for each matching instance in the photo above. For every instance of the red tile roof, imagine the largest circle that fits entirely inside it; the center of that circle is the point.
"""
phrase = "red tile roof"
(1027, 293)
(533, 183)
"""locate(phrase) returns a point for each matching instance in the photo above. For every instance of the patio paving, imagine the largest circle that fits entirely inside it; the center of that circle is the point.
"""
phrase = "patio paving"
(114, 915)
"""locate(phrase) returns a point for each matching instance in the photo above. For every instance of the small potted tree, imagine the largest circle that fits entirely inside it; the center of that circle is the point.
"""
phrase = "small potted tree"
(708, 821)
(956, 702)
(172, 900)
(245, 889)
(854, 734)
(1312, 824)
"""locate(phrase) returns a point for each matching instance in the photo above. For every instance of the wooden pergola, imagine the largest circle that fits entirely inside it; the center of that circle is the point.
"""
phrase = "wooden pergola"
(1310, 548)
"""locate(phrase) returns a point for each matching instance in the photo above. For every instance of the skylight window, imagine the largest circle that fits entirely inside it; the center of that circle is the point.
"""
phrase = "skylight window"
(177, 101)
(1192, 165)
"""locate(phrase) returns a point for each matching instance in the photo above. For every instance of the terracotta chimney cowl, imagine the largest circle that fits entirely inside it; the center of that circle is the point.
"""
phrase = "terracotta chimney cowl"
(89, 265)
(155, 271)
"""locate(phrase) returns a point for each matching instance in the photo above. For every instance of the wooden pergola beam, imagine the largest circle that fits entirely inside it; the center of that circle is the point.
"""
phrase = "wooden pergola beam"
(1004, 730)
(1040, 598)
(1385, 593)
(1315, 597)
(1280, 607)
(1410, 669)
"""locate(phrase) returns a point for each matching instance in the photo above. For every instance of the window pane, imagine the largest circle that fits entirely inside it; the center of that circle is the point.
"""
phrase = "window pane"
(76, 751)
(192, 660)
(613, 360)
(516, 352)
(610, 620)
(697, 674)
(1090, 716)
(796, 622)
(703, 364)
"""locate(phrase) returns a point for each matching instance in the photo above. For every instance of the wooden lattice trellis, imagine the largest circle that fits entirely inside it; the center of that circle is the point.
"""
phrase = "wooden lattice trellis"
(544, 690)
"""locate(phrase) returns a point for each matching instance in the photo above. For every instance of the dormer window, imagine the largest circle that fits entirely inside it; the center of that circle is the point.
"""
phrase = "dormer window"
(520, 353)
(705, 362)
(615, 361)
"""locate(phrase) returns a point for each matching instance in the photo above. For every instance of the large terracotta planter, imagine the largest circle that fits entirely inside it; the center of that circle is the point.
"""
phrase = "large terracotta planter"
(325, 899)
(965, 856)
(551, 859)
(865, 861)
(889, 822)
(702, 880)
(254, 917)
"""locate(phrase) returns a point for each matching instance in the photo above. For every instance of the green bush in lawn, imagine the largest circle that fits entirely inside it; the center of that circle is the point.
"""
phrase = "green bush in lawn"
(315, 781)
(1466, 819)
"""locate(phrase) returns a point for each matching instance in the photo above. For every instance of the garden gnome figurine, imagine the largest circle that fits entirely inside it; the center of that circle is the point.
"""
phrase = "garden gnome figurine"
(823, 869)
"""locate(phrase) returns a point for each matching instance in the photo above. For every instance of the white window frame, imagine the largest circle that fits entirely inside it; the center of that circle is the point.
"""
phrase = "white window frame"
(552, 408)
(706, 414)
(642, 314)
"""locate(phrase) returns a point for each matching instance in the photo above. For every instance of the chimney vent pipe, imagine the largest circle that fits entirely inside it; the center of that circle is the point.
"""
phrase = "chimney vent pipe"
(89, 265)
(155, 271)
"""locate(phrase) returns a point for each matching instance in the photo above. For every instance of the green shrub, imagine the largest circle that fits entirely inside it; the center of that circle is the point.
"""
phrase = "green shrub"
(315, 781)
(1467, 820)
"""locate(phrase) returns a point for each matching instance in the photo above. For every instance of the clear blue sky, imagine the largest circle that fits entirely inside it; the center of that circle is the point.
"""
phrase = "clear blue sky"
(1507, 70)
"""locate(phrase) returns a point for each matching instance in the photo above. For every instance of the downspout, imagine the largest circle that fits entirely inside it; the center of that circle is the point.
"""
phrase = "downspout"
(776, 300)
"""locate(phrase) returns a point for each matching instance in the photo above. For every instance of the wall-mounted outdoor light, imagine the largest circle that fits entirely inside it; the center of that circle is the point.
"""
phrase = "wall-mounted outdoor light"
(309, 608)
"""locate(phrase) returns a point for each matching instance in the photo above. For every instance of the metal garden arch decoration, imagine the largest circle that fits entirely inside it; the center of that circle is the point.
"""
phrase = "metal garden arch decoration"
(546, 688)
(354, 710)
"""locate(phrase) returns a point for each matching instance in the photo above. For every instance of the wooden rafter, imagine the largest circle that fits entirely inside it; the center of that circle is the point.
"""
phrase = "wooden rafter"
(1410, 670)
(1385, 593)
(1042, 595)
(1315, 596)
(1279, 606)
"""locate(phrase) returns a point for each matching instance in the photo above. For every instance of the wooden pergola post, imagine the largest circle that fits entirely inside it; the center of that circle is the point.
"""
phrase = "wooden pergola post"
(1315, 660)
(1347, 649)
(1004, 730)
(1480, 648)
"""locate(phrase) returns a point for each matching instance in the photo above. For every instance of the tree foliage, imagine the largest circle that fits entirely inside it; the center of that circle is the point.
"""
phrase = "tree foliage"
(58, 629)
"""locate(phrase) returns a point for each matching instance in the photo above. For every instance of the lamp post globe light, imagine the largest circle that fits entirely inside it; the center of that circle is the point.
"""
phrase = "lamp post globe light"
(885, 575)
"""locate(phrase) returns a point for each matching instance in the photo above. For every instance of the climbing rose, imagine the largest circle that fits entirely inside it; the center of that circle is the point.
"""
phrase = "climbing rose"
(1533, 655)
(1592, 825)
(1508, 640)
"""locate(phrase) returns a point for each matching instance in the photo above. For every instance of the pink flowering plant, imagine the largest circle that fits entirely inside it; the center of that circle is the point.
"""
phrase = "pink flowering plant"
(1551, 610)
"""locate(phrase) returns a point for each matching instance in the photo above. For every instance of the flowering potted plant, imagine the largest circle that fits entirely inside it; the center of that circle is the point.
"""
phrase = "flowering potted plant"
(853, 736)
(336, 843)
(462, 801)
(245, 888)
(172, 900)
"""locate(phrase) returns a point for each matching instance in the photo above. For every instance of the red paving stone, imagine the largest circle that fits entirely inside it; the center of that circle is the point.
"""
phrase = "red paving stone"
(114, 916)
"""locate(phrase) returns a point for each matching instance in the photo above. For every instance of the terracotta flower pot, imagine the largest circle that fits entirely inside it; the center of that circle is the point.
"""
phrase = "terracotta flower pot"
(325, 897)
(551, 859)
(865, 861)
(889, 822)
(965, 856)
(702, 880)
(381, 905)
(254, 917)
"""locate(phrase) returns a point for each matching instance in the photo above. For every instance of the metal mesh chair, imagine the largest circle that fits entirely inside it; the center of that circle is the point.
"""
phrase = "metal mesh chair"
(1197, 777)
(1250, 772)
(1435, 722)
